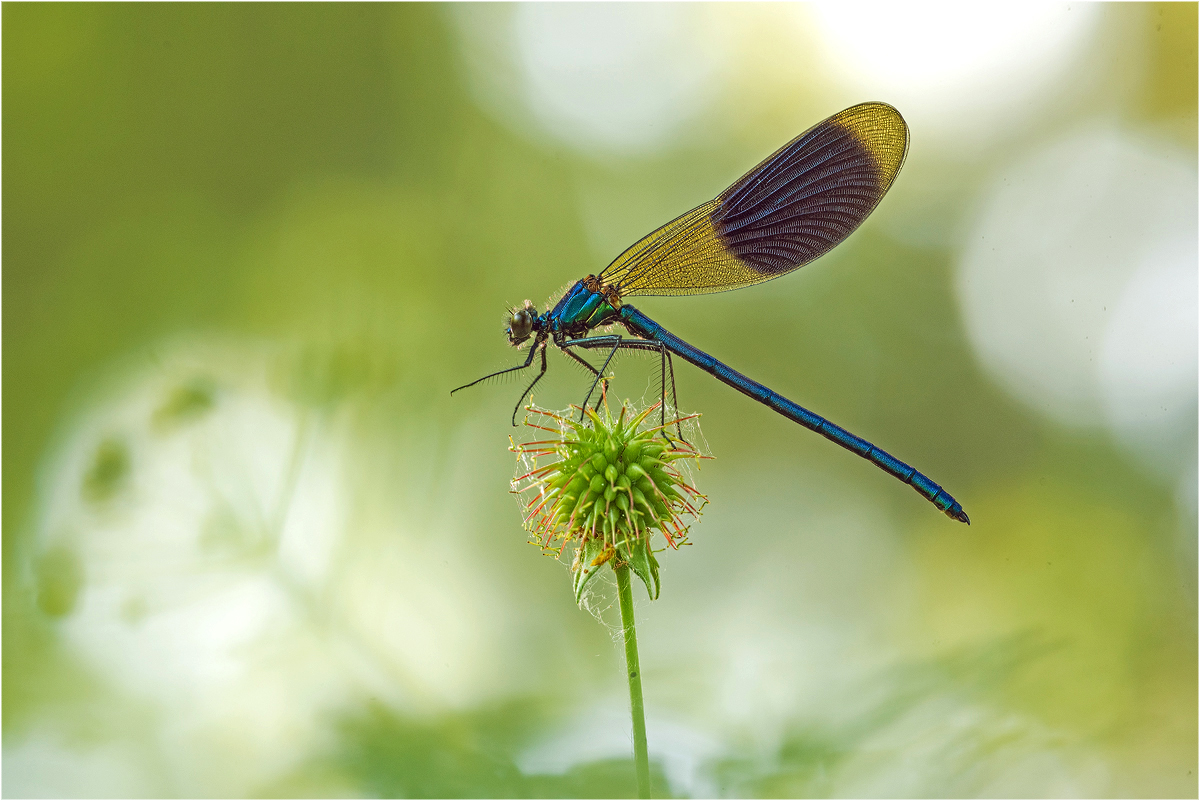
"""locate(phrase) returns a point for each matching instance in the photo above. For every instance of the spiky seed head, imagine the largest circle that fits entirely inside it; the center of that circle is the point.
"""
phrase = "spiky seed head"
(611, 484)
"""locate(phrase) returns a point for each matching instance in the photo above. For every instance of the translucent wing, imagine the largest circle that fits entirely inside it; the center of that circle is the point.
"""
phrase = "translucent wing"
(795, 206)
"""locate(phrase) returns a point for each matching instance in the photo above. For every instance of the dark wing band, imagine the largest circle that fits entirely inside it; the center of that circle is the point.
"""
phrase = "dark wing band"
(794, 207)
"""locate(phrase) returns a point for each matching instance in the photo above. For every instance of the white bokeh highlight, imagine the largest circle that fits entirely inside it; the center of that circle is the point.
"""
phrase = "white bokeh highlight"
(1148, 356)
(233, 589)
(966, 74)
(622, 78)
(1078, 286)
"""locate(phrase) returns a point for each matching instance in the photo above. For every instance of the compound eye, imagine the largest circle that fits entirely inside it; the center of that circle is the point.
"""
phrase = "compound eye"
(520, 326)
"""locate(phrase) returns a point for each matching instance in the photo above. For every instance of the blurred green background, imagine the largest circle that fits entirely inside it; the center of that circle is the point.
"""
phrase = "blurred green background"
(253, 548)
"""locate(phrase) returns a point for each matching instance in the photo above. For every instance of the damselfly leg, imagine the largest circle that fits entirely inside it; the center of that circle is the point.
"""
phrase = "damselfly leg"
(615, 342)
(539, 344)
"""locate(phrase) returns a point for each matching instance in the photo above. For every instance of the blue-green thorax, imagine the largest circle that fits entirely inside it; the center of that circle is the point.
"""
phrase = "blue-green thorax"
(579, 311)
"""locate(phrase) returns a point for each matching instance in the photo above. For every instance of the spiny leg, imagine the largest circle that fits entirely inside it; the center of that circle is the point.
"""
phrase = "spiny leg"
(593, 342)
(666, 367)
(579, 359)
(600, 375)
(528, 361)
(617, 342)
(529, 388)
(669, 369)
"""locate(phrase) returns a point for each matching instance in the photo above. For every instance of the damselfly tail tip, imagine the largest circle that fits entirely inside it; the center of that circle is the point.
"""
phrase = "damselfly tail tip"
(958, 514)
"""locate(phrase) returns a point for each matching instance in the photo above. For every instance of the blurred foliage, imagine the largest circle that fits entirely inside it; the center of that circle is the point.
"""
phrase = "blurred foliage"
(808, 760)
(317, 178)
(189, 401)
(59, 580)
(468, 756)
(109, 471)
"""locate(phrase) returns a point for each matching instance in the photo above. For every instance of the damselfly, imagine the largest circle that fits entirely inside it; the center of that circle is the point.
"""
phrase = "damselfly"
(794, 207)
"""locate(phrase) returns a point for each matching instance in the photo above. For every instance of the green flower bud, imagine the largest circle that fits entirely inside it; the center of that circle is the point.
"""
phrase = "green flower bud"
(609, 491)
(661, 478)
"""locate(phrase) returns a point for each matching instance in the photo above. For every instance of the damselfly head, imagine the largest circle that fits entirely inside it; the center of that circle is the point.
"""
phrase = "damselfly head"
(520, 324)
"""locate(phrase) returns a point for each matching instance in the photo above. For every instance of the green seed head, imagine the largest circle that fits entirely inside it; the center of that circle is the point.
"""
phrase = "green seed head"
(604, 487)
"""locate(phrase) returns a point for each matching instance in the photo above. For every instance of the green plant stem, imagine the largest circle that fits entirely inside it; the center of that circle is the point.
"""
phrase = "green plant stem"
(641, 758)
